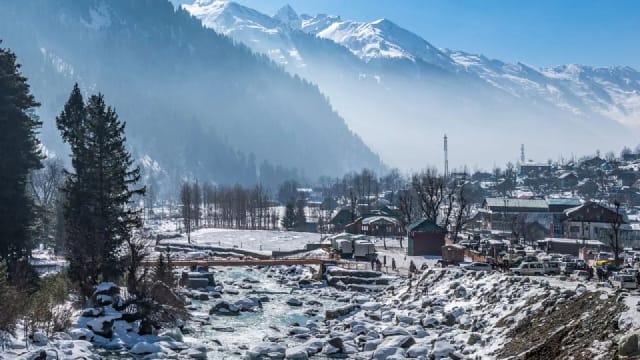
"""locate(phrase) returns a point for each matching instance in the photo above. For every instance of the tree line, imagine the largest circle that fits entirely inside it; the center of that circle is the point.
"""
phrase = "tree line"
(231, 207)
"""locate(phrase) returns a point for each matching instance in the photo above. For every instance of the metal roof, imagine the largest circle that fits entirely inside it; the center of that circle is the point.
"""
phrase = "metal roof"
(516, 203)
(425, 225)
(564, 201)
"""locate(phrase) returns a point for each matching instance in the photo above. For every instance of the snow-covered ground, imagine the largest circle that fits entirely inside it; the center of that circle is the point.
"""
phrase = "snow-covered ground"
(436, 314)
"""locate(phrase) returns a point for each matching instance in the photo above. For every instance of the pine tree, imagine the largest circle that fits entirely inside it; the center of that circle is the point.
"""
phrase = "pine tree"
(98, 213)
(289, 219)
(19, 155)
(186, 198)
(299, 216)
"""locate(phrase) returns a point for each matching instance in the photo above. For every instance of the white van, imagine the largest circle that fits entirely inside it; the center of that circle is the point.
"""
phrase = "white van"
(528, 268)
(624, 281)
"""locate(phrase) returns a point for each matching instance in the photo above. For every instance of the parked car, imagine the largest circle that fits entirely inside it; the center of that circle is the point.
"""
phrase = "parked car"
(528, 268)
(624, 281)
(579, 275)
(477, 266)
(567, 268)
(551, 267)
(629, 271)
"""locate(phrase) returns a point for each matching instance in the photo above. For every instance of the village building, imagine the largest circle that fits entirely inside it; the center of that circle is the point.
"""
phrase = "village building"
(425, 237)
(593, 221)
(500, 213)
(533, 169)
(568, 180)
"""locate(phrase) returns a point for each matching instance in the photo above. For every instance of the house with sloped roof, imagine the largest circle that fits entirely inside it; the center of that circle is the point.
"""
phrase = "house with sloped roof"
(499, 213)
(593, 221)
(425, 237)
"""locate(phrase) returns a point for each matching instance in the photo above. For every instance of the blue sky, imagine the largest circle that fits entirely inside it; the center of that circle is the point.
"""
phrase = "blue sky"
(541, 32)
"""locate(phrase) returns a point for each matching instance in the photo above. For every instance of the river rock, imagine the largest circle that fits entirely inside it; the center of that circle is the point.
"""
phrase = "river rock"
(371, 306)
(333, 346)
(222, 307)
(383, 353)
(294, 302)
(248, 304)
(629, 344)
(402, 341)
(341, 311)
(102, 326)
(266, 350)
(198, 352)
(394, 330)
(442, 350)
(173, 333)
(296, 353)
(145, 348)
(419, 350)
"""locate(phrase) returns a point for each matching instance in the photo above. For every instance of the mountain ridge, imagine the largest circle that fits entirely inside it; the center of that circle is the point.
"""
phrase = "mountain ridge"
(403, 65)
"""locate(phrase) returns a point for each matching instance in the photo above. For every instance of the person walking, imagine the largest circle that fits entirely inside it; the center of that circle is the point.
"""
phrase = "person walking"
(393, 264)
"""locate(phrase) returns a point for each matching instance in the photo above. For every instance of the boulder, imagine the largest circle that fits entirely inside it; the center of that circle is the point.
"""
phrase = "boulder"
(198, 352)
(296, 353)
(419, 350)
(173, 333)
(394, 330)
(294, 302)
(222, 307)
(402, 341)
(145, 348)
(266, 350)
(404, 319)
(102, 326)
(629, 344)
(81, 334)
(371, 306)
(333, 346)
(442, 350)
(92, 312)
(106, 288)
(338, 312)
(383, 353)
(460, 292)
(474, 338)
(248, 304)
(430, 322)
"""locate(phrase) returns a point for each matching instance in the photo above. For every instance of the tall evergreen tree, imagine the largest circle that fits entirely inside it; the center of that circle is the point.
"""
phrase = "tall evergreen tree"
(98, 214)
(289, 219)
(19, 155)
(186, 198)
(300, 219)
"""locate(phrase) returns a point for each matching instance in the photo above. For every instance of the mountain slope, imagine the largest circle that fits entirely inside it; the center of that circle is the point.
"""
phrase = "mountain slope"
(390, 80)
(196, 103)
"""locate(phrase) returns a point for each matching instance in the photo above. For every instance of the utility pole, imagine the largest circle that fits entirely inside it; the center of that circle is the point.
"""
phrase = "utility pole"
(446, 158)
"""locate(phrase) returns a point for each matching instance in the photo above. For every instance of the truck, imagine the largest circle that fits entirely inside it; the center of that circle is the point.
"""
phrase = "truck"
(363, 249)
(344, 247)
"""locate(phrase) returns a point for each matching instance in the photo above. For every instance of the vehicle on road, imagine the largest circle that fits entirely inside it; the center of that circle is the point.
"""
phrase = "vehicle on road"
(551, 267)
(624, 281)
(528, 268)
(476, 266)
(579, 275)
(568, 267)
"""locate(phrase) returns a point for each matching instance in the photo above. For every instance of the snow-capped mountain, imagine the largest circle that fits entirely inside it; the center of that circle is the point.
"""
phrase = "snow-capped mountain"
(374, 71)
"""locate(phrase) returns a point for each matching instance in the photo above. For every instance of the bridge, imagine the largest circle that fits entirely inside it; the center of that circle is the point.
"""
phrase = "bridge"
(308, 261)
